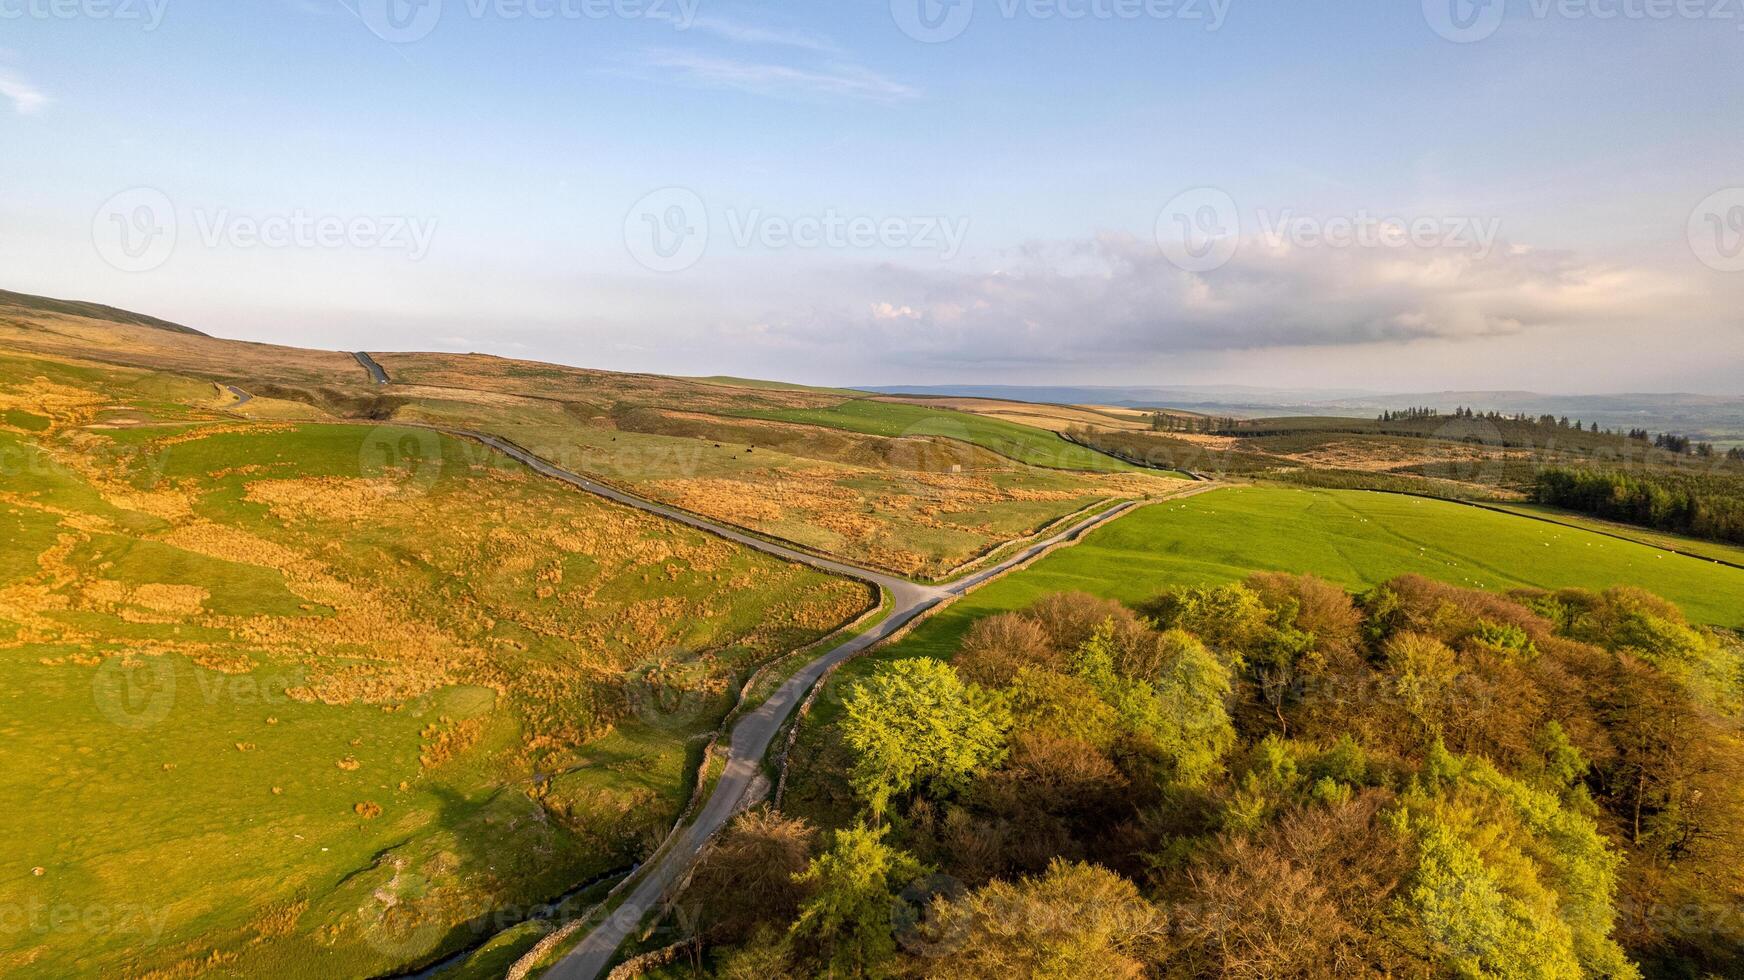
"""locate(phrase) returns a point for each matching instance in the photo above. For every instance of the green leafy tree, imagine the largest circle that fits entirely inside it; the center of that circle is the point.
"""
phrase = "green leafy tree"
(916, 725)
(1473, 926)
(1061, 706)
(846, 925)
(1185, 713)
(1511, 882)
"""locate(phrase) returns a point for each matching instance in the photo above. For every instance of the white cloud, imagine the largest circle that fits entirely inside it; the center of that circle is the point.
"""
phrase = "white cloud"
(741, 33)
(1116, 300)
(26, 98)
(765, 78)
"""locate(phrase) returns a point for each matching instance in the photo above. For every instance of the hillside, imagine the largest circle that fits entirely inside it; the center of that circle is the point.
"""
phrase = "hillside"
(381, 681)
(918, 491)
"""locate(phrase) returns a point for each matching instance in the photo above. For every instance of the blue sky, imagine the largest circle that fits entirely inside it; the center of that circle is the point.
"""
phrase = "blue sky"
(494, 183)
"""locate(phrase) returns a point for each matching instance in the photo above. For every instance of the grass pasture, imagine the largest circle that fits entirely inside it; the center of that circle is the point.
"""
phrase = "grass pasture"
(320, 700)
(1355, 538)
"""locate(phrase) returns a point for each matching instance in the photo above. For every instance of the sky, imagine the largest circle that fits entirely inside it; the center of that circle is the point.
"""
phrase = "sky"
(1399, 195)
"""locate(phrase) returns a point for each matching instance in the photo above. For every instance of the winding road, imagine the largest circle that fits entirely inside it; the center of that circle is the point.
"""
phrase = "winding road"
(376, 373)
(753, 733)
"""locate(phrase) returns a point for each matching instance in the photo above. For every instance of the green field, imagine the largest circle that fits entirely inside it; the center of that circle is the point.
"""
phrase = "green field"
(1356, 538)
(1035, 447)
(318, 700)
(1699, 548)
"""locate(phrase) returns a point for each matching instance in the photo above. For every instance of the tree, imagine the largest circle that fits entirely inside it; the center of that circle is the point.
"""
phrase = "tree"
(1230, 619)
(746, 876)
(1071, 618)
(1061, 706)
(997, 647)
(766, 956)
(1474, 927)
(1299, 898)
(846, 925)
(916, 725)
(1424, 671)
(1077, 920)
(1184, 714)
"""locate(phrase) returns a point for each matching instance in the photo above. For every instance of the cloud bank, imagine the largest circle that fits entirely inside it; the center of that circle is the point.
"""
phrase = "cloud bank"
(1115, 299)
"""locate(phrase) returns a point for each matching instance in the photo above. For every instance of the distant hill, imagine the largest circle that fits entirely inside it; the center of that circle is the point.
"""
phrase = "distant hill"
(95, 311)
(1714, 418)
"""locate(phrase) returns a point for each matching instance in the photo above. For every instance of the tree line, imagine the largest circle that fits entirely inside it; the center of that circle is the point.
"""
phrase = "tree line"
(1710, 507)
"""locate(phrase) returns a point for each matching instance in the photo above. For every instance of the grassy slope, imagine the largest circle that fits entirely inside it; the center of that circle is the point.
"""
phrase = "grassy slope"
(917, 506)
(911, 506)
(1717, 550)
(165, 763)
(1023, 443)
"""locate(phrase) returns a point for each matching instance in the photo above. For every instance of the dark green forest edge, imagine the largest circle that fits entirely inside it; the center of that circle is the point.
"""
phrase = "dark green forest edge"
(1274, 778)
(1705, 505)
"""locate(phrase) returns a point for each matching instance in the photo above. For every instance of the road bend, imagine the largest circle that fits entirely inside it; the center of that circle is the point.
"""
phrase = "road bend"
(753, 733)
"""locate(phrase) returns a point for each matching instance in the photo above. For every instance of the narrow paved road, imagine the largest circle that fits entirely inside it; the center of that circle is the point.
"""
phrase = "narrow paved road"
(376, 372)
(752, 734)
